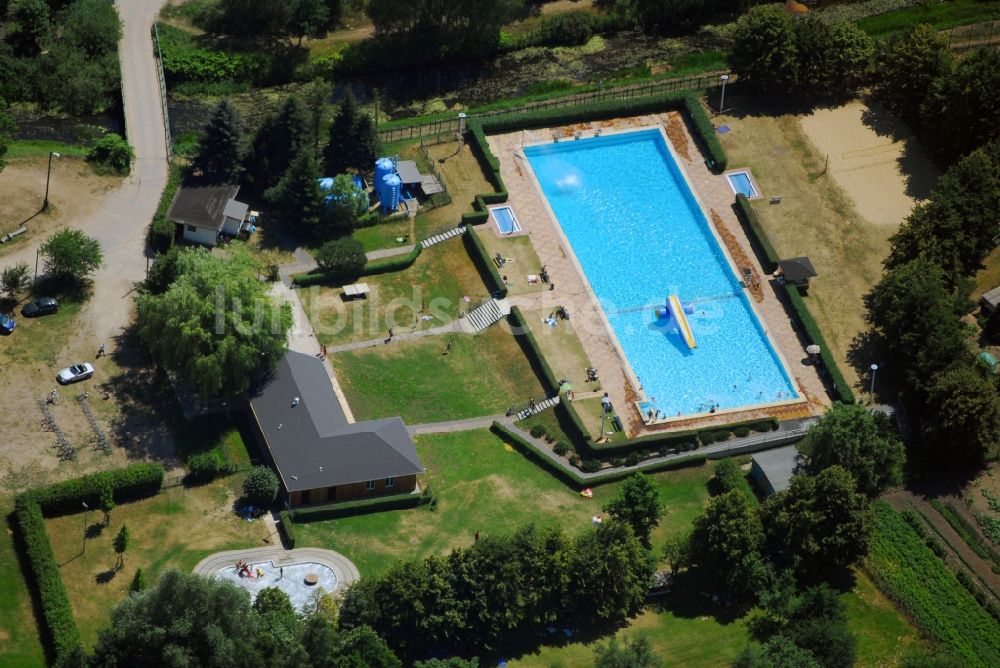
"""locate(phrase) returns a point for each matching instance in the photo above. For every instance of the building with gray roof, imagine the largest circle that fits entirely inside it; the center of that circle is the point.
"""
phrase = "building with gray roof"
(772, 470)
(319, 455)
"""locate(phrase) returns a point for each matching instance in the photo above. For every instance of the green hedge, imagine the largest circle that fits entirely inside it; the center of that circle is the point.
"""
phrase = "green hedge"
(841, 390)
(524, 338)
(288, 528)
(531, 451)
(161, 230)
(758, 239)
(360, 507)
(134, 482)
(484, 263)
(571, 423)
(687, 101)
(385, 266)
(57, 613)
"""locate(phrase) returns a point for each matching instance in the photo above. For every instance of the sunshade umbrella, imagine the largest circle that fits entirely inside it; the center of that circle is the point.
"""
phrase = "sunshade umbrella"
(812, 349)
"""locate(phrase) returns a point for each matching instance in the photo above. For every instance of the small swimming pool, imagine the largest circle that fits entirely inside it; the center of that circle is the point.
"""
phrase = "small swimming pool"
(740, 183)
(289, 579)
(505, 219)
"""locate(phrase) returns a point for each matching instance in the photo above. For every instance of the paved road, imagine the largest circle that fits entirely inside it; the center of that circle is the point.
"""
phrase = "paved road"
(121, 221)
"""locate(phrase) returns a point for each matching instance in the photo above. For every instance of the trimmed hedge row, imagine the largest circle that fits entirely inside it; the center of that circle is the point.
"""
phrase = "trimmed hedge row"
(162, 230)
(57, 613)
(524, 338)
(758, 239)
(134, 482)
(530, 450)
(30, 508)
(484, 263)
(360, 507)
(385, 266)
(288, 528)
(841, 389)
(687, 101)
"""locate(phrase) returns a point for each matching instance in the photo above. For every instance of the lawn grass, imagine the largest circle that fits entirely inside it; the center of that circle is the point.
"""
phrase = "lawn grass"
(385, 235)
(434, 285)
(19, 635)
(521, 257)
(883, 634)
(40, 340)
(484, 485)
(20, 148)
(939, 15)
(988, 277)
(175, 529)
(482, 375)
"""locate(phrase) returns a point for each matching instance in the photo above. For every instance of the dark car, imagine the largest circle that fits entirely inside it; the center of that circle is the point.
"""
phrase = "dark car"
(6, 324)
(43, 306)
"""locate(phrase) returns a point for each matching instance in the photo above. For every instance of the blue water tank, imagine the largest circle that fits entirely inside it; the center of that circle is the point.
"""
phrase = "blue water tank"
(359, 182)
(391, 185)
(383, 166)
(325, 183)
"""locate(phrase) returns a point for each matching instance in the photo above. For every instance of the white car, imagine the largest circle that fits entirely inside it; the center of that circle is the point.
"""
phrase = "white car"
(72, 374)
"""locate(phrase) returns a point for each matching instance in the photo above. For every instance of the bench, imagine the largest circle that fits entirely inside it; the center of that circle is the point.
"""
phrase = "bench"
(776, 199)
(10, 235)
(356, 290)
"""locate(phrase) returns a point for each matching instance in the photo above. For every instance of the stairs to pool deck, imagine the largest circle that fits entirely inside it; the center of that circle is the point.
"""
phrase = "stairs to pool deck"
(484, 315)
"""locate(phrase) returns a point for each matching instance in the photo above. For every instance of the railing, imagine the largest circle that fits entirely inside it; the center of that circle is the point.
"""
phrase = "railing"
(961, 38)
(163, 94)
(447, 125)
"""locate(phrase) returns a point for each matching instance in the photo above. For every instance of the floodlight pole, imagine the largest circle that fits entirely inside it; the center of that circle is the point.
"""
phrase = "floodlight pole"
(874, 368)
(48, 177)
(86, 509)
(722, 98)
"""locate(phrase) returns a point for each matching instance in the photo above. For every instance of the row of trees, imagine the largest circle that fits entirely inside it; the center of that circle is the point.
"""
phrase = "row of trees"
(666, 15)
(947, 99)
(61, 55)
(207, 318)
(268, 21)
(914, 312)
(475, 597)
(281, 163)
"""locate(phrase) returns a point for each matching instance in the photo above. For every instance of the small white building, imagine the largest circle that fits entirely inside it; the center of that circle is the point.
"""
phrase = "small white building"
(205, 211)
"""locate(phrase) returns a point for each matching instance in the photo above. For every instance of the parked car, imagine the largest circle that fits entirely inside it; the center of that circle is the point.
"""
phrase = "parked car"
(7, 324)
(72, 374)
(42, 306)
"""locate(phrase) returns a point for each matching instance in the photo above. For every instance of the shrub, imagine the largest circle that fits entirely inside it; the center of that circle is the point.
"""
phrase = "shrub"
(560, 448)
(113, 152)
(741, 432)
(162, 231)
(130, 483)
(385, 266)
(205, 466)
(633, 459)
(345, 256)
(359, 507)
(287, 528)
(590, 466)
(538, 431)
(261, 486)
(566, 29)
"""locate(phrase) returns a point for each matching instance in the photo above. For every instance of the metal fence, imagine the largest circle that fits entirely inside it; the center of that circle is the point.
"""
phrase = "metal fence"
(450, 125)
(961, 38)
(158, 56)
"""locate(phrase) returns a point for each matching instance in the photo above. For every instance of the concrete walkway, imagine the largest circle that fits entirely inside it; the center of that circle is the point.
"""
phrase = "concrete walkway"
(404, 336)
(451, 426)
(347, 573)
(389, 252)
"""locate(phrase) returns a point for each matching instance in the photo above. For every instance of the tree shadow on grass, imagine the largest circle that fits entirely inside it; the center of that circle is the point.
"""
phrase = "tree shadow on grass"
(94, 530)
(688, 600)
(530, 641)
(916, 167)
(744, 100)
(63, 289)
(105, 577)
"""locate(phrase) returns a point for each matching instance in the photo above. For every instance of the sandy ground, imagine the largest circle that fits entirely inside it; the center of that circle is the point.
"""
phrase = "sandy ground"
(75, 191)
(875, 161)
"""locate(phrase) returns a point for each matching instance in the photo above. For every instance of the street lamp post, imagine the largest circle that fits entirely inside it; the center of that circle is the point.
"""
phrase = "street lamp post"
(874, 368)
(86, 509)
(48, 177)
(722, 98)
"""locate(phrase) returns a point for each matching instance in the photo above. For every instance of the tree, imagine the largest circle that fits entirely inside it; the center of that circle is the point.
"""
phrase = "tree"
(308, 18)
(121, 544)
(219, 155)
(352, 140)
(345, 202)
(638, 504)
(261, 486)
(361, 647)
(15, 278)
(163, 272)
(962, 425)
(138, 583)
(451, 662)
(323, 604)
(726, 542)
(71, 256)
(907, 66)
(216, 326)
(75, 83)
(991, 330)
(281, 137)
(820, 525)
(814, 620)
(106, 500)
(849, 436)
(112, 151)
(344, 257)
(833, 58)
(250, 19)
(635, 653)
(764, 48)
(911, 309)
(611, 571)
(677, 552)
(6, 128)
(778, 652)
(92, 27)
(28, 25)
(183, 620)
(297, 199)
(273, 600)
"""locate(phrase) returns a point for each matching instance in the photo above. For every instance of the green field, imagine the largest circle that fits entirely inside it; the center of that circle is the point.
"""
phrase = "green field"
(939, 15)
(482, 375)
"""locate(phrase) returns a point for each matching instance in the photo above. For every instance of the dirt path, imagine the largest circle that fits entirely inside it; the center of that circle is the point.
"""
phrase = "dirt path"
(905, 499)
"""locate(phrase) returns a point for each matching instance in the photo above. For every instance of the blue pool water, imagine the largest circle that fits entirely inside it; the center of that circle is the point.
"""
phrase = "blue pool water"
(740, 183)
(505, 220)
(640, 235)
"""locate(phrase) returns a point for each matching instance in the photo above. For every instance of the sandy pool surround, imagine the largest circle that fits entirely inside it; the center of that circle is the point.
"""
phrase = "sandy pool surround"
(334, 571)
(626, 364)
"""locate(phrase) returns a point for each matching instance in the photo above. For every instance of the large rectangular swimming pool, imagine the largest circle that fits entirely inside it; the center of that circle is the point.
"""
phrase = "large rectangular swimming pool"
(640, 235)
